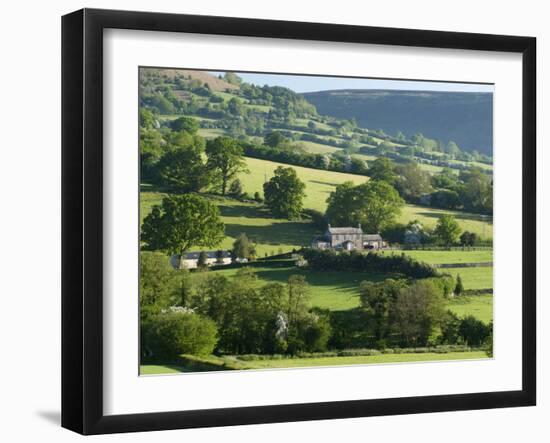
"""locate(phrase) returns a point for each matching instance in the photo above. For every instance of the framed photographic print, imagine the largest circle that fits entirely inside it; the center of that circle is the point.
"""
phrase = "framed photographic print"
(270, 221)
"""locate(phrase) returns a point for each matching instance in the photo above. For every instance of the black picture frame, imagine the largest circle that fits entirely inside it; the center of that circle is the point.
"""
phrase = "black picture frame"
(82, 218)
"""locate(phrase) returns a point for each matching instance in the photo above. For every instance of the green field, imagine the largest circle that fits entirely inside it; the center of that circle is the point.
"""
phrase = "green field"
(480, 306)
(161, 369)
(443, 257)
(481, 225)
(269, 234)
(336, 291)
(317, 148)
(473, 278)
(329, 361)
(339, 291)
(319, 183)
(211, 133)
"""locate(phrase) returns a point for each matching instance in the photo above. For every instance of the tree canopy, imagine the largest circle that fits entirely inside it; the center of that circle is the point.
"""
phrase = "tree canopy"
(447, 229)
(181, 222)
(374, 204)
(382, 169)
(225, 160)
(183, 169)
(284, 193)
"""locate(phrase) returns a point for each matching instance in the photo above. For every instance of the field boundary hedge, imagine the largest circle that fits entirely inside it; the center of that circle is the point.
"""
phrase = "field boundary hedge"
(486, 264)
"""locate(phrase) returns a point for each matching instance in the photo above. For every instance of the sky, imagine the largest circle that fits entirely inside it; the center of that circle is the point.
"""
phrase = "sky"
(306, 83)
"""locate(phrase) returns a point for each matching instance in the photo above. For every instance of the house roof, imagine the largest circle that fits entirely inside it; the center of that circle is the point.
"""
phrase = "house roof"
(340, 231)
(209, 254)
(372, 237)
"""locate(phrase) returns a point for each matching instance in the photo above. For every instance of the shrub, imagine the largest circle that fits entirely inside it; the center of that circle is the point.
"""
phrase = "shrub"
(330, 260)
(474, 331)
(258, 197)
(236, 188)
(169, 334)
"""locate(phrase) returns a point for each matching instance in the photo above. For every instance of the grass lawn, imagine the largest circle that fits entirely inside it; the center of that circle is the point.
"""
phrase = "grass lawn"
(329, 361)
(480, 306)
(473, 278)
(442, 257)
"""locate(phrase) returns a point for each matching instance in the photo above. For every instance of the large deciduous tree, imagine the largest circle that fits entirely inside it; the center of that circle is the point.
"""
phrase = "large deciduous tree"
(412, 182)
(418, 309)
(382, 169)
(181, 222)
(284, 193)
(225, 160)
(447, 230)
(374, 204)
(183, 169)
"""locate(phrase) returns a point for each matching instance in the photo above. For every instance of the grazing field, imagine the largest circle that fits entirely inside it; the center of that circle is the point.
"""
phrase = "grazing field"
(161, 369)
(319, 183)
(481, 225)
(328, 361)
(363, 360)
(269, 234)
(480, 306)
(473, 278)
(336, 291)
(317, 148)
(447, 257)
(211, 133)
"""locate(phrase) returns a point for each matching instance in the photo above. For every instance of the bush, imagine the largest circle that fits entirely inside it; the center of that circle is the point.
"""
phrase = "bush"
(317, 218)
(330, 260)
(169, 334)
(236, 188)
(474, 331)
(258, 197)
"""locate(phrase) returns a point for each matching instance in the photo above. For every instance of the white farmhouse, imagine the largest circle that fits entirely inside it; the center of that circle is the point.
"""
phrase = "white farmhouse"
(190, 260)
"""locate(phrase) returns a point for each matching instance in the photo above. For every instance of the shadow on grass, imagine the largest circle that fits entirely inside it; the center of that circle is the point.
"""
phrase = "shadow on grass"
(340, 281)
(237, 209)
(323, 183)
(278, 233)
(459, 216)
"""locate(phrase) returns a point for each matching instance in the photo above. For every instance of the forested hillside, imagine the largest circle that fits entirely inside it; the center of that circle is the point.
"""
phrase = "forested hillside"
(464, 117)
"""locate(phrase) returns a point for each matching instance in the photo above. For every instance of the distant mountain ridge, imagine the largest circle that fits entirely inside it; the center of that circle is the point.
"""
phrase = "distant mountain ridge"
(464, 117)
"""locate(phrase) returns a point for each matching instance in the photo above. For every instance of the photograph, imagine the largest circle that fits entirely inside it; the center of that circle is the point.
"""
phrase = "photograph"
(294, 221)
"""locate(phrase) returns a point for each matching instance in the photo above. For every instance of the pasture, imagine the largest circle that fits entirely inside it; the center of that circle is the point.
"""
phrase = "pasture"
(320, 183)
(447, 257)
(322, 361)
(269, 234)
(336, 291)
(480, 306)
(473, 278)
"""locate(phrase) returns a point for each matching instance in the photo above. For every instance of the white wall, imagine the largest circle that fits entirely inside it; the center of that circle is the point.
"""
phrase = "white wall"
(30, 222)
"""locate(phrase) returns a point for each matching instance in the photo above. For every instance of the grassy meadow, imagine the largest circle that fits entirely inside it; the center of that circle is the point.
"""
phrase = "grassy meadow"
(322, 361)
